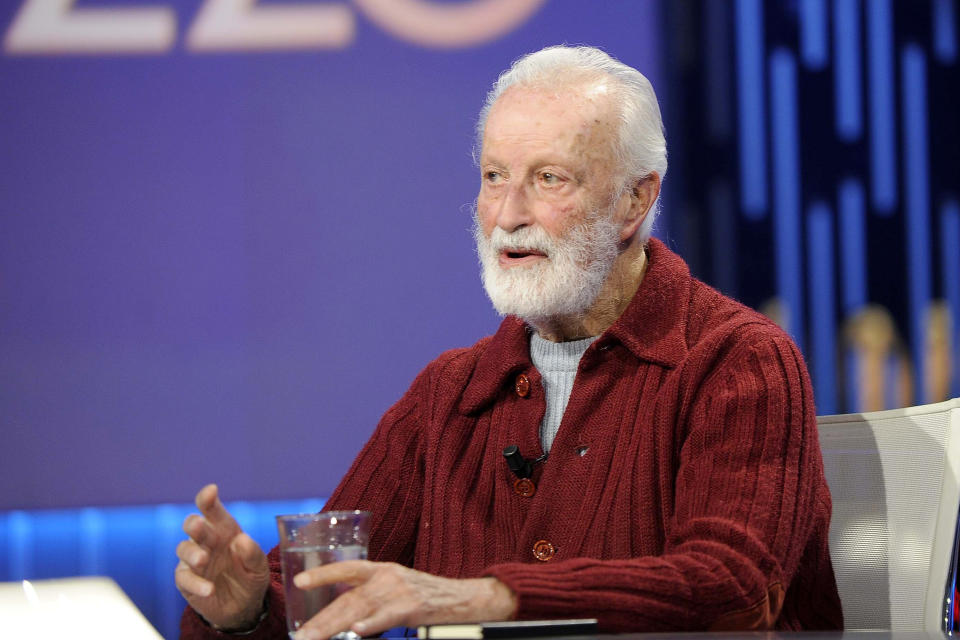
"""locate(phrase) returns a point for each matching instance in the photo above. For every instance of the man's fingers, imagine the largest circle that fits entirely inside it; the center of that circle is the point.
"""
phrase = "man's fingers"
(248, 552)
(192, 554)
(351, 572)
(189, 582)
(199, 530)
(368, 607)
(335, 617)
(208, 501)
(381, 620)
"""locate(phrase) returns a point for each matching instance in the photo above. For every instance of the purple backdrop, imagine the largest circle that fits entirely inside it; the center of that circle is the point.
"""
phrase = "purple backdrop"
(225, 265)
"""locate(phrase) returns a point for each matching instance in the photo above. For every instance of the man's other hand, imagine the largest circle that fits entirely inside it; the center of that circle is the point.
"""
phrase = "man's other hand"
(387, 595)
(222, 573)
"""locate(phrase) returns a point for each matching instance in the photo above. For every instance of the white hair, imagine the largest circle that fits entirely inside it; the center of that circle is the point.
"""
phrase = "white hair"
(641, 147)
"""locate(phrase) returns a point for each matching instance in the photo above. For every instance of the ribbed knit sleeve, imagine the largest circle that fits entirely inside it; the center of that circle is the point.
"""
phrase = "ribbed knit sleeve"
(747, 493)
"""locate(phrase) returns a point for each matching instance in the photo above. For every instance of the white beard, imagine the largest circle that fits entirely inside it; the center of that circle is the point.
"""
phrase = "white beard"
(564, 284)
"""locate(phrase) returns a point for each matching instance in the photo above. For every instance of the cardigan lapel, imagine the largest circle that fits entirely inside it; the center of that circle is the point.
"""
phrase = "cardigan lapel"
(654, 324)
(507, 351)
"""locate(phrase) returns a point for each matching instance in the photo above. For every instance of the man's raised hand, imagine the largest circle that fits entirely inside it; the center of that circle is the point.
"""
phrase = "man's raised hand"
(222, 573)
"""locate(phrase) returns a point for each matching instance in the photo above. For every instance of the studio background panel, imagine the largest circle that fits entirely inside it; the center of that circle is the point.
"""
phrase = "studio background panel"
(225, 265)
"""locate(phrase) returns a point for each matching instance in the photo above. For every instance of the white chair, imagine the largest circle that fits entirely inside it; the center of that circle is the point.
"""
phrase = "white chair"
(895, 480)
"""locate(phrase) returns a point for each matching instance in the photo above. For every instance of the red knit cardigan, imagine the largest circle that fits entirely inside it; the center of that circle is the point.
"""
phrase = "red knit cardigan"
(684, 489)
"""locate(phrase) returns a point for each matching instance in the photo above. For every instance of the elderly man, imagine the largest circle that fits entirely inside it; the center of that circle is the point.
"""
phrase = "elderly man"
(677, 481)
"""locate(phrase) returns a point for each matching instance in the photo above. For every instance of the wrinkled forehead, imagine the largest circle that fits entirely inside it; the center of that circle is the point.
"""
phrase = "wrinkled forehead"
(592, 100)
(579, 117)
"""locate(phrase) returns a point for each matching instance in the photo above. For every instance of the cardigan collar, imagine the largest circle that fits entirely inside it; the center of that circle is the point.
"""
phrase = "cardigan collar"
(652, 327)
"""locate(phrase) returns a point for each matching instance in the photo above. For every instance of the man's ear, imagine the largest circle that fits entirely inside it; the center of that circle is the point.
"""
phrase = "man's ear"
(641, 195)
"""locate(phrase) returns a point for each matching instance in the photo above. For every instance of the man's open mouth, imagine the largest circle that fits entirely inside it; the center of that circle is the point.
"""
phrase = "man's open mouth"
(520, 255)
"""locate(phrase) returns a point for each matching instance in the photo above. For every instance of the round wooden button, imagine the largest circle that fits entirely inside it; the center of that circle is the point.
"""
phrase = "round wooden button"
(522, 385)
(543, 550)
(524, 487)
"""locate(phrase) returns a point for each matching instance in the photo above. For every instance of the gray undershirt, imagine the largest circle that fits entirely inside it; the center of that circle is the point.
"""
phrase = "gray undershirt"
(557, 363)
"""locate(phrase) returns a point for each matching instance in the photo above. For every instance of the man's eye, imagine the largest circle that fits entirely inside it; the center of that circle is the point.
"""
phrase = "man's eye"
(549, 178)
(492, 176)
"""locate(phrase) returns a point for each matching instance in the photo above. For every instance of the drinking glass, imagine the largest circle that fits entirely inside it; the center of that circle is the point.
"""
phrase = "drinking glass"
(311, 540)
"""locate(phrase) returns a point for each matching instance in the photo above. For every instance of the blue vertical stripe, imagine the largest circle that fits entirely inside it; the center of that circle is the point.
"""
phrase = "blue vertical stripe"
(883, 160)
(945, 30)
(813, 33)
(752, 117)
(20, 539)
(823, 345)
(169, 533)
(950, 267)
(846, 77)
(723, 234)
(853, 238)
(786, 189)
(717, 62)
(917, 209)
(55, 544)
(91, 528)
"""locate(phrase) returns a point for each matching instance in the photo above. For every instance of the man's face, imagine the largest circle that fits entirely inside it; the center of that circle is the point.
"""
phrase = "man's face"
(546, 223)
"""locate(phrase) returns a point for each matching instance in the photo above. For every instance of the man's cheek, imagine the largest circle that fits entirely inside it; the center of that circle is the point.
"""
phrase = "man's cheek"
(486, 218)
(558, 220)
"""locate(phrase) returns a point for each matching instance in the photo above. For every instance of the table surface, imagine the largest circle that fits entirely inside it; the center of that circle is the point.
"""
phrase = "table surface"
(71, 608)
(779, 635)
(97, 607)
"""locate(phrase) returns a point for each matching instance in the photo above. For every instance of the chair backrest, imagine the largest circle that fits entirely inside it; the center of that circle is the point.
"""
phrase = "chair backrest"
(895, 481)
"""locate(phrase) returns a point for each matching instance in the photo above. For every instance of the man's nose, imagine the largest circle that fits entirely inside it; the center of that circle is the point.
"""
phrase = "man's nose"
(514, 210)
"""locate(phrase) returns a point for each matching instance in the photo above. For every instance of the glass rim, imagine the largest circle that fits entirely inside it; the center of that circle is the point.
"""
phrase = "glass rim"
(322, 515)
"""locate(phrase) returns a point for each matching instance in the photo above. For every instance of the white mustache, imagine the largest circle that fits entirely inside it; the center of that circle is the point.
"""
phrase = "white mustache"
(525, 238)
